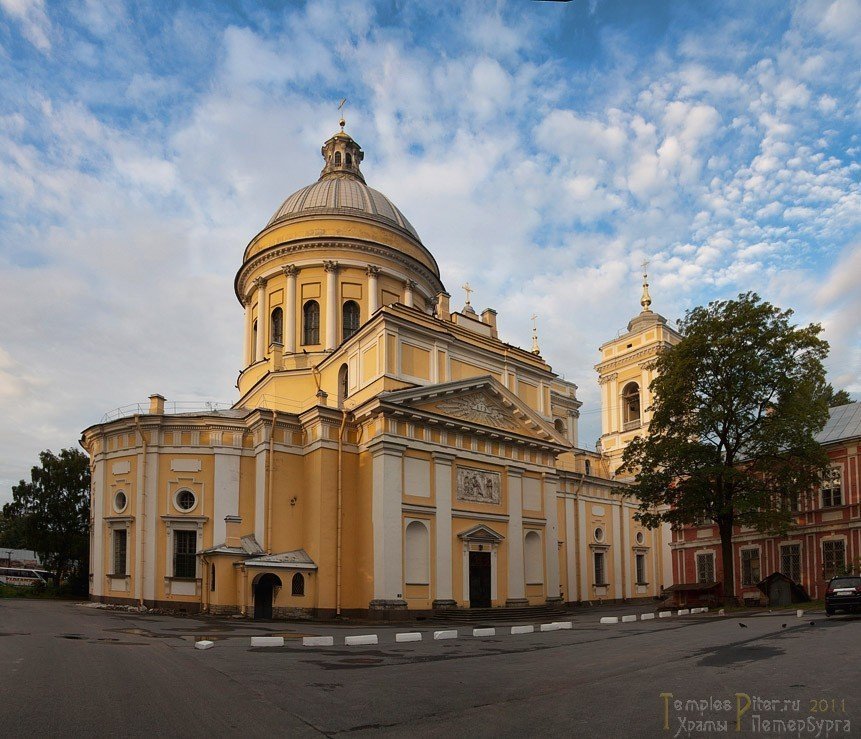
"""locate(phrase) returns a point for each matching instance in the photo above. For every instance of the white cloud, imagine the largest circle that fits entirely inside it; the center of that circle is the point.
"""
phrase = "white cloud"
(33, 19)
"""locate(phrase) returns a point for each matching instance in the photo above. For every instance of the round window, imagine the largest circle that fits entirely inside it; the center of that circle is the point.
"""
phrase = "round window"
(599, 534)
(641, 537)
(120, 501)
(185, 500)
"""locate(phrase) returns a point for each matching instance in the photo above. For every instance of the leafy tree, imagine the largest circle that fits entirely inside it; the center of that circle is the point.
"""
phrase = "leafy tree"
(736, 404)
(50, 514)
(836, 397)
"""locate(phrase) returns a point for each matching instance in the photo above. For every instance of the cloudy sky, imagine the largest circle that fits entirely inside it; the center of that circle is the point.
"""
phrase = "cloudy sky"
(542, 150)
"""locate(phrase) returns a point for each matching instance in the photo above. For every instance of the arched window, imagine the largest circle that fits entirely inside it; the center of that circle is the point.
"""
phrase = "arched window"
(254, 356)
(311, 322)
(297, 586)
(416, 544)
(349, 160)
(559, 425)
(588, 466)
(343, 384)
(350, 318)
(277, 328)
(631, 405)
(532, 557)
(337, 158)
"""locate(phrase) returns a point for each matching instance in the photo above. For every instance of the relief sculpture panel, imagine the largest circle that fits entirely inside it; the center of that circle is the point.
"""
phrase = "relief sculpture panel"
(478, 486)
(478, 408)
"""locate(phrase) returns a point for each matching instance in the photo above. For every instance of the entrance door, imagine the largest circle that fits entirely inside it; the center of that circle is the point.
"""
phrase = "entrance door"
(479, 579)
(263, 592)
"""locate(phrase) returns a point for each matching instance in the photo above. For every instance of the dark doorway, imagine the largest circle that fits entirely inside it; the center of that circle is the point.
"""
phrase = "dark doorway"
(479, 579)
(264, 590)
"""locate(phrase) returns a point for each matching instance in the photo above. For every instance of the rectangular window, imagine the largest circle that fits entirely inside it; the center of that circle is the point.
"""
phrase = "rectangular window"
(705, 567)
(600, 575)
(832, 488)
(833, 557)
(184, 554)
(750, 567)
(641, 569)
(120, 547)
(790, 561)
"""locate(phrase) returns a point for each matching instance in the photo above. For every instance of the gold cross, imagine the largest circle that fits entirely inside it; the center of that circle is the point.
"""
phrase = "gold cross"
(534, 322)
(468, 290)
(645, 266)
(341, 108)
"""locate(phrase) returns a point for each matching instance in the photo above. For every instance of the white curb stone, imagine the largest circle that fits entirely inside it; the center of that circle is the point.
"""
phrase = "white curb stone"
(694, 611)
(267, 641)
(721, 612)
(357, 641)
(409, 636)
(704, 610)
(447, 634)
(683, 612)
(628, 619)
(799, 613)
(646, 616)
(548, 627)
(318, 641)
(664, 614)
(609, 619)
(523, 629)
(204, 644)
(484, 632)
(564, 624)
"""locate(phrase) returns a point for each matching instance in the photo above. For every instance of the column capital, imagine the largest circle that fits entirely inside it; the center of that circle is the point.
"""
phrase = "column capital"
(410, 284)
(290, 270)
(443, 457)
(383, 446)
(515, 471)
(330, 265)
(373, 270)
(259, 282)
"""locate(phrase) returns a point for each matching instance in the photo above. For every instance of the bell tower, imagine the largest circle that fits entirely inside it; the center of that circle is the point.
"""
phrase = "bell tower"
(624, 374)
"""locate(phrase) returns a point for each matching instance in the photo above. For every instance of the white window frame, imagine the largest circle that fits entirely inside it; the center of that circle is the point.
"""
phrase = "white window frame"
(786, 545)
(829, 540)
(834, 475)
(707, 553)
(741, 552)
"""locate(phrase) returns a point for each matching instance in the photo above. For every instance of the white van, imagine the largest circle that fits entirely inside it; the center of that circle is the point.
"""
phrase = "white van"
(23, 576)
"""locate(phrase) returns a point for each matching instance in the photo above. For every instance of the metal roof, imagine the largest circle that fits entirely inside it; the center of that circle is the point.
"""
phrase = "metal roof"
(843, 423)
(342, 195)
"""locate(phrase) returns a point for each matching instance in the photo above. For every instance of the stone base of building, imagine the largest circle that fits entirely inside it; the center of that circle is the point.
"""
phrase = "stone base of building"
(517, 603)
(388, 609)
(444, 605)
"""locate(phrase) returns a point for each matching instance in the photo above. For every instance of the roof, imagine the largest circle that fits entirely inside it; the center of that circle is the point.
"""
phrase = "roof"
(342, 195)
(691, 587)
(248, 547)
(844, 422)
(297, 559)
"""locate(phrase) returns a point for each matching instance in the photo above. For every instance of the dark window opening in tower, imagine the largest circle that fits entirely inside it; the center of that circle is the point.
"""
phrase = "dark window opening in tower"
(254, 356)
(349, 160)
(343, 384)
(277, 328)
(631, 403)
(311, 322)
(350, 318)
(337, 158)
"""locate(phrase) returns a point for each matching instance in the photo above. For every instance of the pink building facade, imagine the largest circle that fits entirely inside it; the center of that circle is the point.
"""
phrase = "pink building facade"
(825, 539)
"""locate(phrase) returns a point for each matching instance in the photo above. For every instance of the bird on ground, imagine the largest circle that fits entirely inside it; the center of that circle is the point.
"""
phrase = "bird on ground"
(813, 623)
(741, 625)
(782, 626)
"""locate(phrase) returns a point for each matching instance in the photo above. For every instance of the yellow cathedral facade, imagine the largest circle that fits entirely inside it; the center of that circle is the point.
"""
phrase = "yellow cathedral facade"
(387, 453)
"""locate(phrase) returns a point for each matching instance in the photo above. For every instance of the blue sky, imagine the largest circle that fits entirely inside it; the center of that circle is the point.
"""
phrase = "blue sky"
(542, 150)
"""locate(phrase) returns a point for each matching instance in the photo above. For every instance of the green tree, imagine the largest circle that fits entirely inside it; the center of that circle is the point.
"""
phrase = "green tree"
(50, 513)
(836, 397)
(736, 405)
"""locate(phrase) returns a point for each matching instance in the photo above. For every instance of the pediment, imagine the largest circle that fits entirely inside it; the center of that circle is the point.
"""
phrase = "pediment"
(480, 532)
(480, 401)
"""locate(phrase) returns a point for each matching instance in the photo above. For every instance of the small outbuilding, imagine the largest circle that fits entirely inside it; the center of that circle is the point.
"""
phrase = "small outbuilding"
(782, 590)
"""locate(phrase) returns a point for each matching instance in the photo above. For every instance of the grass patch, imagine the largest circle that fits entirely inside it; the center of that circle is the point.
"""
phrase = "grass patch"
(37, 591)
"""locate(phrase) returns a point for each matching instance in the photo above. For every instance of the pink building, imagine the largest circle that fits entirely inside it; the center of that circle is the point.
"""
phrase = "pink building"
(825, 539)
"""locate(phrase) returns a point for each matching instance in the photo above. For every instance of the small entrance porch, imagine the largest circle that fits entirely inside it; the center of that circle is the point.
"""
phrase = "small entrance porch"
(480, 571)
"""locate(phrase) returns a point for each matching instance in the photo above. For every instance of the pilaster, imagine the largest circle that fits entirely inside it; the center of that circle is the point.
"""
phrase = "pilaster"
(442, 492)
(290, 321)
(551, 537)
(331, 304)
(516, 576)
(387, 495)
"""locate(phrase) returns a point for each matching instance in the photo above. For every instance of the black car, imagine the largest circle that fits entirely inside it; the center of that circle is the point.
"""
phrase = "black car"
(843, 594)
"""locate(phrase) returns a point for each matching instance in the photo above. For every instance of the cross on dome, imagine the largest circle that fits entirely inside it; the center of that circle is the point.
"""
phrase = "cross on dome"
(646, 299)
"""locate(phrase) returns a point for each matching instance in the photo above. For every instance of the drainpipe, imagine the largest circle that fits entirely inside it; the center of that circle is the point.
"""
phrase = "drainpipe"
(340, 511)
(142, 574)
(270, 474)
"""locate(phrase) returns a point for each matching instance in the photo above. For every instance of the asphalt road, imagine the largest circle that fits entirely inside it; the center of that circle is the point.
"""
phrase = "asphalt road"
(68, 670)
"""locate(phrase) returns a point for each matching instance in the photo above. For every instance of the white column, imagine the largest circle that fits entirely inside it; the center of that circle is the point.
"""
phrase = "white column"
(665, 535)
(290, 309)
(630, 572)
(409, 286)
(331, 304)
(551, 536)
(373, 290)
(570, 549)
(585, 552)
(249, 333)
(386, 517)
(516, 576)
(442, 493)
(618, 585)
(152, 522)
(97, 568)
(262, 318)
(606, 406)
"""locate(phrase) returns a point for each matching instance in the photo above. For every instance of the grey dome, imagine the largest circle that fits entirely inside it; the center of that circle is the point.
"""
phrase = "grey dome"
(341, 195)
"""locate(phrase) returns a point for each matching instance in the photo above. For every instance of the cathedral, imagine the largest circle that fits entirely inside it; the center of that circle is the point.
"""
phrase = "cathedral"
(387, 452)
